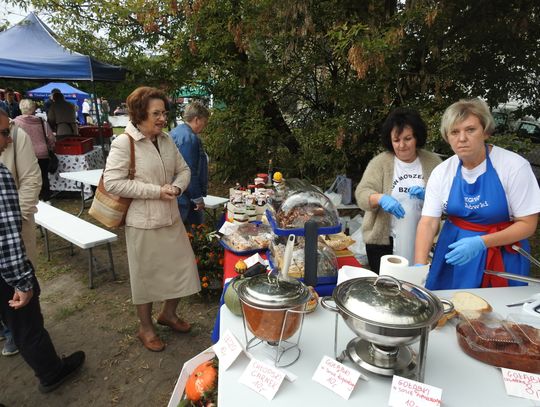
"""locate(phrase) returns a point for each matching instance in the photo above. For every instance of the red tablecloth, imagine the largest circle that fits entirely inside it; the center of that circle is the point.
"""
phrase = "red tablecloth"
(230, 260)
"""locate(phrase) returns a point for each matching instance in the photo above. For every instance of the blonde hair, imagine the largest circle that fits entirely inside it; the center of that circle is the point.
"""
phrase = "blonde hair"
(27, 106)
(462, 109)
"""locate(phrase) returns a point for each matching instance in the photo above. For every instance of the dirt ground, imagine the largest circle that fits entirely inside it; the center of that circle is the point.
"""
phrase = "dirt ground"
(102, 322)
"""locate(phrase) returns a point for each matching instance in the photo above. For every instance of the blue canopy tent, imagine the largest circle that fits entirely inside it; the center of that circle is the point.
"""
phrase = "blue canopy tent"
(29, 50)
(71, 94)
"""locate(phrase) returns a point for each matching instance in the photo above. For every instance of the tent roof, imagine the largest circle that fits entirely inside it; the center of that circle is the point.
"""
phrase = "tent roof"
(45, 90)
(29, 50)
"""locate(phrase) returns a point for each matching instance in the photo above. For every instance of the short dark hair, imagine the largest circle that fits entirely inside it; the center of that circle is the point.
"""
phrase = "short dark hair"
(57, 96)
(56, 90)
(400, 118)
(138, 101)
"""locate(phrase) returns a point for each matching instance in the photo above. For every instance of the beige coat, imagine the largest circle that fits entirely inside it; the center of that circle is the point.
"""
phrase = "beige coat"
(147, 211)
(20, 160)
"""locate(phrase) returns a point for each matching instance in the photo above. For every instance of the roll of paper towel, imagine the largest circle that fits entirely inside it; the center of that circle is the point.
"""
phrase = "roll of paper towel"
(398, 267)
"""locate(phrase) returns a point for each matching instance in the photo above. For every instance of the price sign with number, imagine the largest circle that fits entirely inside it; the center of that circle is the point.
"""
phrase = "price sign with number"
(409, 393)
(521, 384)
(263, 378)
(336, 377)
(227, 349)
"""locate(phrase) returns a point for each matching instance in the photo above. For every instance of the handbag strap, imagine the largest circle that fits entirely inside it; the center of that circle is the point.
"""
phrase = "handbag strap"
(131, 172)
(44, 134)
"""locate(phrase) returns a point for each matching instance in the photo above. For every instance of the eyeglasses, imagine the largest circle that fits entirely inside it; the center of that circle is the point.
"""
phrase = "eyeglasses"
(157, 114)
(5, 132)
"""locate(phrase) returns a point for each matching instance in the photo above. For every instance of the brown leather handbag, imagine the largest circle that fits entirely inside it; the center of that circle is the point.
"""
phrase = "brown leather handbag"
(110, 209)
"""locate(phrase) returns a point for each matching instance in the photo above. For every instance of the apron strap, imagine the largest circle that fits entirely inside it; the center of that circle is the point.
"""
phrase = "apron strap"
(494, 259)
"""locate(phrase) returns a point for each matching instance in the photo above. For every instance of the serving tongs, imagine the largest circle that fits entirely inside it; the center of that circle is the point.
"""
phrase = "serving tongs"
(512, 276)
(526, 255)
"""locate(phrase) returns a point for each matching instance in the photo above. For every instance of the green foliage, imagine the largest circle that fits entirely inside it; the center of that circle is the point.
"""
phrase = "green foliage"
(209, 257)
(308, 83)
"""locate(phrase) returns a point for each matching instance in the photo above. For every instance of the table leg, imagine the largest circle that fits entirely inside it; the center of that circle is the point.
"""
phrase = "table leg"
(82, 201)
(90, 268)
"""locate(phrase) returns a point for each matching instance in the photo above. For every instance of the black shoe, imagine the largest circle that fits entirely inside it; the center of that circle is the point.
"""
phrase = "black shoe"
(70, 366)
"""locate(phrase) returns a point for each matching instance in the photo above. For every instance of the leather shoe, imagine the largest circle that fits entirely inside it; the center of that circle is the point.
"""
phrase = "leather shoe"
(155, 344)
(70, 366)
(177, 326)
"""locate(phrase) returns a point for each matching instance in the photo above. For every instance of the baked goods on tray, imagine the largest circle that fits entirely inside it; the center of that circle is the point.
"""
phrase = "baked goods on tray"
(513, 344)
(326, 265)
(338, 241)
(249, 236)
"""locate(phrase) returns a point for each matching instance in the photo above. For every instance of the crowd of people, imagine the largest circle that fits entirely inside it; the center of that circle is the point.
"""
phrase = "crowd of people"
(487, 196)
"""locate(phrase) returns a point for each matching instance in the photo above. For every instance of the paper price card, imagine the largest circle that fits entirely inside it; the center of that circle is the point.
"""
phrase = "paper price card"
(409, 393)
(521, 384)
(263, 378)
(227, 349)
(336, 377)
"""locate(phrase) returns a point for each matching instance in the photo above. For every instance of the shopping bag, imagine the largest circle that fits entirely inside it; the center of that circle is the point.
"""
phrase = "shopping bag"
(343, 186)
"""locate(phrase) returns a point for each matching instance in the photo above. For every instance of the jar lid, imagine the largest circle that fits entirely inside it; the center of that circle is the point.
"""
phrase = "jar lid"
(387, 301)
(267, 291)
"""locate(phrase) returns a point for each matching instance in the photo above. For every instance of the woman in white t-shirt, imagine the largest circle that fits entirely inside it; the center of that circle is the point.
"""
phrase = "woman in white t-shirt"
(391, 191)
(491, 199)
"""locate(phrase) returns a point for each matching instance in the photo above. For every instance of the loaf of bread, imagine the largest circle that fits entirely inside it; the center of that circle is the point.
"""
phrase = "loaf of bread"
(466, 304)
(509, 345)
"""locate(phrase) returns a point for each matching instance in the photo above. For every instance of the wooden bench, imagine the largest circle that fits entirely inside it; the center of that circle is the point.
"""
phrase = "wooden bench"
(77, 232)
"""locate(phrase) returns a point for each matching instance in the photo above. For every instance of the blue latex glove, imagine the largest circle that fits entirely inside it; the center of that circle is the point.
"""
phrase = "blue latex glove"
(464, 250)
(391, 205)
(417, 192)
(419, 265)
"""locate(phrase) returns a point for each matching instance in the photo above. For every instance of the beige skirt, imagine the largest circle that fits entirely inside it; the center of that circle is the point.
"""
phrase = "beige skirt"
(161, 264)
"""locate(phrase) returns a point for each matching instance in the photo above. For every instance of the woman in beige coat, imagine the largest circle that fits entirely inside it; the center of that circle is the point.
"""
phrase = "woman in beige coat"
(161, 262)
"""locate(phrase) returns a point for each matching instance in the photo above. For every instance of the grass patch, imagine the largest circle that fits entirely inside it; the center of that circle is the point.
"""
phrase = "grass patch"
(47, 270)
(67, 311)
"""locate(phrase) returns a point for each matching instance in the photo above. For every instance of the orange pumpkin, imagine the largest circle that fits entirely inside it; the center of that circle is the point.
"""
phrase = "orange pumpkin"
(202, 380)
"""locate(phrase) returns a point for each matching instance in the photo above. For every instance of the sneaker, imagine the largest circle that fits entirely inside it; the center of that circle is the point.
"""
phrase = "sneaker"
(10, 348)
(70, 366)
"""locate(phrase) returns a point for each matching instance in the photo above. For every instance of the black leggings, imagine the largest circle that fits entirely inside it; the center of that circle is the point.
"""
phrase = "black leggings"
(45, 193)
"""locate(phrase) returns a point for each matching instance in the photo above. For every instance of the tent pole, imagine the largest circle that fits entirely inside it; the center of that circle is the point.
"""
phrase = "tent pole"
(98, 118)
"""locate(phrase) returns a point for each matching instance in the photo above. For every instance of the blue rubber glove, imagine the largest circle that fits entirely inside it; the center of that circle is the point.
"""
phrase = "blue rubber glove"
(391, 205)
(417, 192)
(464, 250)
(419, 265)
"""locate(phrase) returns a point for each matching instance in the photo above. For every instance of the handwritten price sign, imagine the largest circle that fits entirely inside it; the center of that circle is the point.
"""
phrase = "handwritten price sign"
(263, 378)
(227, 349)
(521, 384)
(409, 393)
(336, 377)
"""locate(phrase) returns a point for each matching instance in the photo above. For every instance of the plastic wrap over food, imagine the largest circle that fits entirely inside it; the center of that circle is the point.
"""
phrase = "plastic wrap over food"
(513, 343)
(327, 265)
(248, 237)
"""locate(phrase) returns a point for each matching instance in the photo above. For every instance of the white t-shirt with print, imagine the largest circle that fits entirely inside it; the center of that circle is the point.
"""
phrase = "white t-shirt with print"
(515, 173)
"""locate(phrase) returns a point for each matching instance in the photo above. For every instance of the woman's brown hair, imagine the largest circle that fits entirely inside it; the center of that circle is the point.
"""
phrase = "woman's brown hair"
(138, 101)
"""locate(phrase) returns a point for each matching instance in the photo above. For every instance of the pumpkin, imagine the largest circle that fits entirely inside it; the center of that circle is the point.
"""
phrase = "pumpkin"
(231, 297)
(201, 381)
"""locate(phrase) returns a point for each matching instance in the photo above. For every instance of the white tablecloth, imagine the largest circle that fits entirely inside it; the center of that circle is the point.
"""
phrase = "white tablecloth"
(92, 160)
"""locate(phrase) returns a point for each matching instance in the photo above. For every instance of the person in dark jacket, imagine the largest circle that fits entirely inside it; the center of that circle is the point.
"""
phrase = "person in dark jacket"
(187, 139)
(19, 289)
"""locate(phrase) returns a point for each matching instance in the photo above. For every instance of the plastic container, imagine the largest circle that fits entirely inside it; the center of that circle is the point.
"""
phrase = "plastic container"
(74, 146)
(327, 266)
(513, 343)
(93, 131)
(248, 239)
(299, 202)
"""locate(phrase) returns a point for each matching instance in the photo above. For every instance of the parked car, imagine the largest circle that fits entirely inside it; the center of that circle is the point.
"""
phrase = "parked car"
(529, 129)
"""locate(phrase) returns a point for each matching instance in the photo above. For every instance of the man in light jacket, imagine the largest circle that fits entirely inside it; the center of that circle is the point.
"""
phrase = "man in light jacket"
(187, 139)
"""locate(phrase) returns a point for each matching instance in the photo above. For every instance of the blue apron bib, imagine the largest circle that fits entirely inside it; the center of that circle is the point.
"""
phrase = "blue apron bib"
(482, 202)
